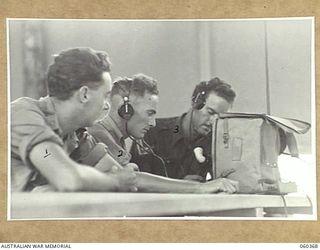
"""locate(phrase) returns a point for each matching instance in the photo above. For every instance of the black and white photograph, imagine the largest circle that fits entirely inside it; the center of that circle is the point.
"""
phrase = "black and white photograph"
(189, 119)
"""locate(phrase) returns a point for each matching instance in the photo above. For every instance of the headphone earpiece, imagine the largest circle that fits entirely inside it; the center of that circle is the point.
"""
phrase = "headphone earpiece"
(199, 100)
(126, 110)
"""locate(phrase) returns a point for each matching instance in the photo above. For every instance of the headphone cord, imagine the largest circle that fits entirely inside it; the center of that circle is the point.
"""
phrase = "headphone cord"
(284, 205)
(148, 149)
(191, 125)
(157, 156)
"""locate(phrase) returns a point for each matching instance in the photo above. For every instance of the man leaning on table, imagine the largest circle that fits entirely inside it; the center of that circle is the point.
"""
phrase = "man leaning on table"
(46, 134)
(133, 108)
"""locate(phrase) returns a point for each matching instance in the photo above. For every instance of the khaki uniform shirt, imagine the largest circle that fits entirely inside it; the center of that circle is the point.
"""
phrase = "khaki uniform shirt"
(33, 122)
(107, 132)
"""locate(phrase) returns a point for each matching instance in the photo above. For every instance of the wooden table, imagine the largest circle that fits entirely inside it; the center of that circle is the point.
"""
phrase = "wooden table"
(106, 205)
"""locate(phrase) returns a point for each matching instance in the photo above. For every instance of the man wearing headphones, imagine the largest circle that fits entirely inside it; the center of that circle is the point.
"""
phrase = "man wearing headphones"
(185, 142)
(132, 114)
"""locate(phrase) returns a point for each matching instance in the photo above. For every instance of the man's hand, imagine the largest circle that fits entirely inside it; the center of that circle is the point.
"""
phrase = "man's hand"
(126, 178)
(132, 166)
(227, 172)
(220, 185)
(105, 164)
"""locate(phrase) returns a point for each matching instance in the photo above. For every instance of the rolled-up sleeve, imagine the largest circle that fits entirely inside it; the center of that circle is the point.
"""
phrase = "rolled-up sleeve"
(29, 128)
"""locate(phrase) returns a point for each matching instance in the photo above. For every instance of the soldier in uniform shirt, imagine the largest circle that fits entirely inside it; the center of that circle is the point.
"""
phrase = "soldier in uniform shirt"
(176, 139)
(50, 150)
(132, 114)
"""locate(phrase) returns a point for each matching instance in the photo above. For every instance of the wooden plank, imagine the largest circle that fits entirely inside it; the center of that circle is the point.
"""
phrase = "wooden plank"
(97, 205)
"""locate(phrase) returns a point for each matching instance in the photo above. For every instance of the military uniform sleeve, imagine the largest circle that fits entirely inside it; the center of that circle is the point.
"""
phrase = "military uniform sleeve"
(117, 151)
(99, 134)
(29, 128)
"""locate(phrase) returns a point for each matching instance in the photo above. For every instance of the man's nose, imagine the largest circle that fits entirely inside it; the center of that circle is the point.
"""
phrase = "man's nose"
(152, 122)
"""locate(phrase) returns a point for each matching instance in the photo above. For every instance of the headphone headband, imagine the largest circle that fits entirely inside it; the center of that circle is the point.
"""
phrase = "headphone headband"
(199, 98)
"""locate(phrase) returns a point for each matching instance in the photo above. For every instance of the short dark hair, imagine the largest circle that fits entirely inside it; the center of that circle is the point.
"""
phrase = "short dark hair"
(74, 68)
(138, 85)
(218, 86)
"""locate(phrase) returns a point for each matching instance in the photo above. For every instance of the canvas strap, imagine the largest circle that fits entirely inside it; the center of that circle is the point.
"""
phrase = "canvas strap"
(292, 144)
(226, 135)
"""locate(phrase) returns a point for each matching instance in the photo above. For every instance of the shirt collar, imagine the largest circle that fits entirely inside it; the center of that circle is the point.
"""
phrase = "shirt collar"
(113, 129)
(116, 142)
(177, 125)
(48, 108)
(177, 137)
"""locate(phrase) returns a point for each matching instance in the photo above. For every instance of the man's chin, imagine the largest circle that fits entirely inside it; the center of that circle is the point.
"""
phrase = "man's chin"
(93, 121)
(102, 115)
(138, 136)
(141, 136)
(89, 124)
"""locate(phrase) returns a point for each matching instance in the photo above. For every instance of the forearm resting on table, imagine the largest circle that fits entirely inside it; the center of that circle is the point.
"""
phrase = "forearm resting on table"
(152, 183)
(146, 182)
(65, 174)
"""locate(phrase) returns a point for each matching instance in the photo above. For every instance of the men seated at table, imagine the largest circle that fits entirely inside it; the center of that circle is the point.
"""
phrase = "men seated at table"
(47, 135)
(184, 142)
(133, 108)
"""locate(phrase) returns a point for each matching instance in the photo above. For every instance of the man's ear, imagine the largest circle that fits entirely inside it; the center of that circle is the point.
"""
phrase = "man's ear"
(84, 94)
